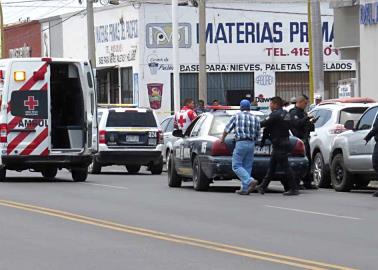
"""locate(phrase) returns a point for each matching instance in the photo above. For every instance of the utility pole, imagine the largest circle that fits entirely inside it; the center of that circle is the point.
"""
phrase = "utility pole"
(1, 32)
(316, 49)
(309, 33)
(202, 89)
(176, 56)
(90, 34)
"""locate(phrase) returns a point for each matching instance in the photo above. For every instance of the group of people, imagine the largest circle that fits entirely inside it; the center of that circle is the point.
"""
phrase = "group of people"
(277, 128)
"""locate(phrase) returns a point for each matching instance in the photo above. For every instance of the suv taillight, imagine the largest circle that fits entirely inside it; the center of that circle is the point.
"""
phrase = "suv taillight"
(299, 149)
(160, 137)
(337, 129)
(102, 136)
(3, 133)
(220, 149)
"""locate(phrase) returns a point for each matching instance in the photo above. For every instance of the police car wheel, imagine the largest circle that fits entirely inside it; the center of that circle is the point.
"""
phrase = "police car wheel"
(3, 174)
(319, 172)
(342, 180)
(94, 168)
(49, 173)
(132, 169)
(79, 174)
(200, 181)
(174, 180)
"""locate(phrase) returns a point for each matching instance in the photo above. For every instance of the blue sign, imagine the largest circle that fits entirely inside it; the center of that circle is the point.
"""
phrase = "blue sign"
(369, 14)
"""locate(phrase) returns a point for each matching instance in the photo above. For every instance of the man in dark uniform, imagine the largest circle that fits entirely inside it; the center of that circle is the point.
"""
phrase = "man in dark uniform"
(371, 134)
(301, 126)
(277, 127)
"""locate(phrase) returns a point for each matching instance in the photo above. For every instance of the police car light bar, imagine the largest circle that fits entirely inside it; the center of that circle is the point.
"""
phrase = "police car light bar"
(221, 107)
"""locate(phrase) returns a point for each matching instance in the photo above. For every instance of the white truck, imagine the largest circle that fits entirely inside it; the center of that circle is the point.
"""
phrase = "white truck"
(48, 116)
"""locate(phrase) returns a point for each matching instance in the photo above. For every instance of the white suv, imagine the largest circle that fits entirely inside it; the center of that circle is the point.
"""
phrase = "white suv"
(332, 116)
(128, 136)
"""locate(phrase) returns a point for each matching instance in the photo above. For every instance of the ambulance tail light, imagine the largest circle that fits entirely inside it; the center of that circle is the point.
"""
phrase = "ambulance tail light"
(220, 149)
(299, 149)
(102, 137)
(160, 137)
(337, 129)
(3, 133)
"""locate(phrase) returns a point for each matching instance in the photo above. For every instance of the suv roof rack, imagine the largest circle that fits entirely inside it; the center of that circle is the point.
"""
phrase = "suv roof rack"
(104, 105)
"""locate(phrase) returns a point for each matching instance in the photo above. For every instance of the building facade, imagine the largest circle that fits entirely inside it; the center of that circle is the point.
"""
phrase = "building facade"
(253, 50)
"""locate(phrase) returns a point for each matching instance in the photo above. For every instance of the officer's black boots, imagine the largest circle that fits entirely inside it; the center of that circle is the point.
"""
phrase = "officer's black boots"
(291, 192)
(375, 194)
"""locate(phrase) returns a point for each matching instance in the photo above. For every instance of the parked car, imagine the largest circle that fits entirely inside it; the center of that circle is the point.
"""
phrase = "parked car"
(332, 115)
(167, 127)
(351, 157)
(200, 156)
(129, 136)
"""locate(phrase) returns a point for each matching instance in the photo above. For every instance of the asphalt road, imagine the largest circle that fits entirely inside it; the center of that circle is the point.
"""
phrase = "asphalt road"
(121, 221)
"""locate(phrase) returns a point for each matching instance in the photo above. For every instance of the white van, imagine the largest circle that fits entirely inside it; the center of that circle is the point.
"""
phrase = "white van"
(48, 116)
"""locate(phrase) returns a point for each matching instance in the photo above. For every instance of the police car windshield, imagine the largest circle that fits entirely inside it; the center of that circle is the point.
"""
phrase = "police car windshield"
(220, 121)
(131, 119)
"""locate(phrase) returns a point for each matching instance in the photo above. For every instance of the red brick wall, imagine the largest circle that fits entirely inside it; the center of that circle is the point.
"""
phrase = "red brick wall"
(17, 36)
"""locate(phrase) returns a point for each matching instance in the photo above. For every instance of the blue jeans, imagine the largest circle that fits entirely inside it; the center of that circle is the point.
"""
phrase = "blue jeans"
(242, 160)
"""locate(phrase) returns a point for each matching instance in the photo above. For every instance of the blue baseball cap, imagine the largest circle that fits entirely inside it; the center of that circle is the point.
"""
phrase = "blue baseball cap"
(245, 104)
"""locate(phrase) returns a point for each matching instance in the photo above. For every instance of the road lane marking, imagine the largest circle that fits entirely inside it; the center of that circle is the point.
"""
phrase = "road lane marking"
(239, 251)
(107, 186)
(311, 212)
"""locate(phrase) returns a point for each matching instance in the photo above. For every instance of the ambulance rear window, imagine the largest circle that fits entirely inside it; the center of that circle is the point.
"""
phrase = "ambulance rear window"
(131, 119)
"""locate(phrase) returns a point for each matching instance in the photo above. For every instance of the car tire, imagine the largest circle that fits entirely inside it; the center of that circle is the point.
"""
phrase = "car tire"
(49, 173)
(342, 180)
(94, 167)
(174, 180)
(79, 174)
(157, 169)
(133, 169)
(3, 174)
(200, 181)
(320, 175)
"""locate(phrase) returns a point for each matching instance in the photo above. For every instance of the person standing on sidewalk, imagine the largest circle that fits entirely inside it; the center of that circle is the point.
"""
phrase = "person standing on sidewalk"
(369, 136)
(247, 131)
(277, 127)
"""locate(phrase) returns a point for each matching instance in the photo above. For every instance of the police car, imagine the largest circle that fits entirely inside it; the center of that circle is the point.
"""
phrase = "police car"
(200, 156)
(130, 136)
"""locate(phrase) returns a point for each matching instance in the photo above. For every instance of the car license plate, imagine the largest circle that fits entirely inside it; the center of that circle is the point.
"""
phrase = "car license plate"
(132, 138)
(265, 150)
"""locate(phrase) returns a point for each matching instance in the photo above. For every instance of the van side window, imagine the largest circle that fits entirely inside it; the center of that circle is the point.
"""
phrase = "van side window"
(89, 79)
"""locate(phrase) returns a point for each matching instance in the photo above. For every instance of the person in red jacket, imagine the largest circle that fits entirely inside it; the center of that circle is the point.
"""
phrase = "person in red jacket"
(185, 116)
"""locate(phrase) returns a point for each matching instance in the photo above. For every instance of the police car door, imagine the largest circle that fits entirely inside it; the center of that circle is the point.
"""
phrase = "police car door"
(28, 109)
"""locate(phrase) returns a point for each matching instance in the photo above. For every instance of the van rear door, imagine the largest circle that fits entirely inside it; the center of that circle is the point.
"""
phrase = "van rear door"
(28, 109)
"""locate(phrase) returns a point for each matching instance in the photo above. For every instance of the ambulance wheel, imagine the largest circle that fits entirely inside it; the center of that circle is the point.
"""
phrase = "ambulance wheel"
(79, 174)
(3, 174)
(49, 173)
(94, 167)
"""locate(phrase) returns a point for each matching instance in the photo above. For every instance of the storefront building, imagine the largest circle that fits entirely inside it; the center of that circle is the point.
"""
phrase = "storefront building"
(253, 50)
(22, 40)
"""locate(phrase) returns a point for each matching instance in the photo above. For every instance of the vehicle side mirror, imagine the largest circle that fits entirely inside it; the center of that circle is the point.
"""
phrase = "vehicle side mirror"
(349, 125)
(177, 133)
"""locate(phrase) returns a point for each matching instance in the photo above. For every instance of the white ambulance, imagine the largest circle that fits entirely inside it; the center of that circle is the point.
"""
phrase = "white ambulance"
(48, 117)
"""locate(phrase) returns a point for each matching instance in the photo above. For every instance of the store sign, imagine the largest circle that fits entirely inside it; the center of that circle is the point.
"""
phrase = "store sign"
(159, 35)
(22, 52)
(119, 31)
(369, 14)
(345, 91)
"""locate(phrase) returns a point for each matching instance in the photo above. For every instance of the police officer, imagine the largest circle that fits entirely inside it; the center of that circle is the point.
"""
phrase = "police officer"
(371, 134)
(277, 127)
(301, 126)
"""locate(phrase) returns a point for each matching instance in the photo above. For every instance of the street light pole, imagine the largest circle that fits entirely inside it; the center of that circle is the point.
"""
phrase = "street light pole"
(202, 51)
(90, 34)
(176, 56)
